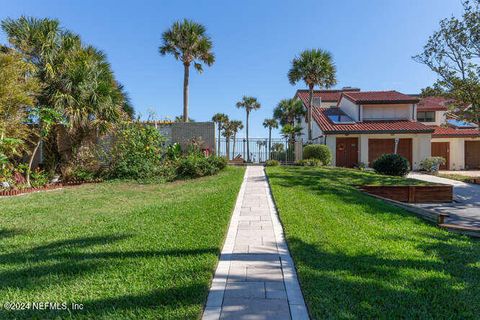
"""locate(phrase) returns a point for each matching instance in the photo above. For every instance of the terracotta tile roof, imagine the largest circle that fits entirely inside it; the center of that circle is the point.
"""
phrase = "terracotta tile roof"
(325, 95)
(320, 115)
(434, 104)
(379, 97)
(449, 132)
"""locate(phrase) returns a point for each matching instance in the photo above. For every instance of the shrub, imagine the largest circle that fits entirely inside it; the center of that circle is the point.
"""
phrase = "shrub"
(272, 163)
(197, 165)
(318, 151)
(432, 164)
(391, 164)
(39, 178)
(309, 162)
(136, 152)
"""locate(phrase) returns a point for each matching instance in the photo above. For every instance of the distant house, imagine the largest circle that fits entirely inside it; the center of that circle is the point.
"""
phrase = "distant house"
(359, 126)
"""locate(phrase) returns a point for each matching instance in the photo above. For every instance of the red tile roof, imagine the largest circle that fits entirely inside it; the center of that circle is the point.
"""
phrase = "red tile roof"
(320, 115)
(379, 97)
(434, 104)
(325, 95)
(449, 132)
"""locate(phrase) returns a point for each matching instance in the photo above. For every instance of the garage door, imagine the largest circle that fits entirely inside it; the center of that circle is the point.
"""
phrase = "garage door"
(472, 154)
(442, 149)
(377, 147)
(347, 152)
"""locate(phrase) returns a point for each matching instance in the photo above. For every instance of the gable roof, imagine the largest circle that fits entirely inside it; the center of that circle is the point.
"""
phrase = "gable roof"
(320, 115)
(379, 97)
(325, 95)
(435, 103)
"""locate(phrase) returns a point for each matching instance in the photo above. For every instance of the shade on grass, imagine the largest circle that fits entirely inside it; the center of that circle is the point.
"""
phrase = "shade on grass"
(123, 250)
(360, 258)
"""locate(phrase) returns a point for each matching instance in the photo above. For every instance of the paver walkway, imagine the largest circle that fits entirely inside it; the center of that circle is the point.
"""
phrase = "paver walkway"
(465, 210)
(255, 277)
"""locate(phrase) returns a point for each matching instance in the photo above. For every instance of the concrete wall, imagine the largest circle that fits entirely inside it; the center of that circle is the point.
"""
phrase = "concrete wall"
(350, 108)
(184, 132)
(387, 112)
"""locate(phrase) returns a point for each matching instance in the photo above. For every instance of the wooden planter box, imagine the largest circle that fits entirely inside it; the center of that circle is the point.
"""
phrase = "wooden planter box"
(413, 194)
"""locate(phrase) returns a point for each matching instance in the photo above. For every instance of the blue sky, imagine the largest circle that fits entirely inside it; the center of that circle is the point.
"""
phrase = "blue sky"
(254, 41)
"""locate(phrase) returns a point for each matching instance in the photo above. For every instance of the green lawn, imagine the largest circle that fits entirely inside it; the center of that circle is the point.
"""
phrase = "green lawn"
(123, 250)
(360, 258)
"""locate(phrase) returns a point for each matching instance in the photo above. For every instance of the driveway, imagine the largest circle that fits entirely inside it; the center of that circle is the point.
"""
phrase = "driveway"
(464, 210)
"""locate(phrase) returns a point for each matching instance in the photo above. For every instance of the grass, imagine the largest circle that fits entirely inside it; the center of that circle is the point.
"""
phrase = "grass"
(360, 258)
(123, 250)
(456, 176)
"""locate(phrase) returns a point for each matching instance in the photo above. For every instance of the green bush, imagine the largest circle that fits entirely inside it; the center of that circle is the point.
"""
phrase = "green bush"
(432, 164)
(136, 152)
(309, 163)
(272, 163)
(391, 164)
(197, 165)
(39, 178)
(318, 151)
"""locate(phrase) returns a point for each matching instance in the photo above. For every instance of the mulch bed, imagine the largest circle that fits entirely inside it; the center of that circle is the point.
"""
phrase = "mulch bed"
(16, 192)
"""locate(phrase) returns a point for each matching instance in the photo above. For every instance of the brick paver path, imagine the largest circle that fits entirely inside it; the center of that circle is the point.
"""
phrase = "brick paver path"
(255, 277)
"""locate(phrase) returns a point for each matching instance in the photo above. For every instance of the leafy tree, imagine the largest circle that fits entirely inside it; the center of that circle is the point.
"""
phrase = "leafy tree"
(315, 68)
(188, 42)
(237, 125)
(249, 104)
(270, 124)
(17, 95)
(453, 53)
(432, 91)
(219, 119)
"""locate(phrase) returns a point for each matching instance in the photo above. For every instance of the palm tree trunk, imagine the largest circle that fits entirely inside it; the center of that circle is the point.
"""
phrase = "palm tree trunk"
(248, 142)
(269, 142)
(228, 147)
(309, 112)
(186, 76)
(30, 163)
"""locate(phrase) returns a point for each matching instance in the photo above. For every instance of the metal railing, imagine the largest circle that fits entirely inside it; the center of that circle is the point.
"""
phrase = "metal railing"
(257, 150)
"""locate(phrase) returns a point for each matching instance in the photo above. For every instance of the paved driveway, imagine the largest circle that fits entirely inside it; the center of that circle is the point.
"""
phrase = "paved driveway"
(465, 210)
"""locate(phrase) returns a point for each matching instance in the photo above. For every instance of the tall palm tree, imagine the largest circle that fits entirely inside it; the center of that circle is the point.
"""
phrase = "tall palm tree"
(188, 42)
(236, 126)
(249, 104)
(219, 119)
(227, 132)
(270, 124)
(316, 68)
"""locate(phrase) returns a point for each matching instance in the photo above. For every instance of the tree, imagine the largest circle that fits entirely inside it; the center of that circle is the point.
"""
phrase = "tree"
(249, 104)
(290, 132)
(227, 132)
(17, 94)
(219, 119)
(76, 80)
(315, 67)
(432, 91)
(260, 144)
(188, 42)
(289, 111)
(453, 53)
(270, 124)
(236, 126)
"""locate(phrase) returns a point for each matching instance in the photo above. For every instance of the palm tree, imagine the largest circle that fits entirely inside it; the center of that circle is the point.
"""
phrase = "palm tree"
(219, 119)
(188, 42)
(260, 144)
(315, 67)
(290, 132)
(249, 104)
(289, 111)
(228, 131)
(236, 126)
(270, 124)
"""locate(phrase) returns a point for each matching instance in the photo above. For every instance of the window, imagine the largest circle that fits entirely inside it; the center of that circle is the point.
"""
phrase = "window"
(426, 116)
(317, 101)
(340, 118)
